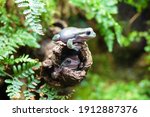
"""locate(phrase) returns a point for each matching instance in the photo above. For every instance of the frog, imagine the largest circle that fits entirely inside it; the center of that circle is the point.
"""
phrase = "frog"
(71, 62)
(72, 35)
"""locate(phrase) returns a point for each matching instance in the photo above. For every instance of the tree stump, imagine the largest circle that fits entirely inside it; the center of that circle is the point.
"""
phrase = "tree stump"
(58, 75)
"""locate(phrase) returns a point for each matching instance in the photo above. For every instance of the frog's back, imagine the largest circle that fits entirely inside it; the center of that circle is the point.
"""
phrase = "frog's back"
(68, 33)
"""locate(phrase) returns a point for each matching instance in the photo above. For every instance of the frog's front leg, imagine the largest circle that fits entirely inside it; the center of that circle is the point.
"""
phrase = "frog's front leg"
(71, 45)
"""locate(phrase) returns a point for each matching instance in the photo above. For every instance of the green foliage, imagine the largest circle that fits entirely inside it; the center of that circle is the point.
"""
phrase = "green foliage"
(106, 81)
(138, 4)
(14, 67)
(34, 8)
(20, 26)
(133, 34)
(49, 93)
(10, 41)
(145, 85)
(1, 71)
(14, 88)
(28, 95)
(95, 87)
(51, 10)
(102, 11)
(24, 70)
(2, 2)
(18, 69)
(31, 86)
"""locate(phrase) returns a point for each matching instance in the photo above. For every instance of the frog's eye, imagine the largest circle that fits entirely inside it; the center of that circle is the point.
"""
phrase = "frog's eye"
(88, 32)
(68, 61)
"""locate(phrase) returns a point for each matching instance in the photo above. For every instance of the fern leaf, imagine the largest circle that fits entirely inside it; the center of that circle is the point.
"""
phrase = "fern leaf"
(49, 93)
(23, 5)
(34, 8)
(14, 88)
(7, 47)
(28, 11)
(24, 70)
(28, 95)
(10, 60)
(26, 38)
(20, 1)
(24, 58)
(103, 12)
(32, 82)
(20, 38)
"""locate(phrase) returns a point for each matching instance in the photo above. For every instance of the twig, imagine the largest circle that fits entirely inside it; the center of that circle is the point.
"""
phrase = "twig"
(133, 18)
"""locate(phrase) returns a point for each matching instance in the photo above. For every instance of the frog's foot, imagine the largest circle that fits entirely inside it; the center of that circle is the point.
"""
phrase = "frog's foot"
(78, 46)
(72, 46)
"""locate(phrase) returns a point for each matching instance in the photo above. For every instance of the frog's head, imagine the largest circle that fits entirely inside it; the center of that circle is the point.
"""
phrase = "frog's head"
(87, 33)
(71, 62)
(56, 37)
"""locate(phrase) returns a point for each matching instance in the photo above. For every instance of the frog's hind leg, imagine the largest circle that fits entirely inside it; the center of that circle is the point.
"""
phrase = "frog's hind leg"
(71, 46)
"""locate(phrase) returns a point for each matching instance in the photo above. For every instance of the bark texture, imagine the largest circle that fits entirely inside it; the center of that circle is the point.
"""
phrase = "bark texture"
(56, 73)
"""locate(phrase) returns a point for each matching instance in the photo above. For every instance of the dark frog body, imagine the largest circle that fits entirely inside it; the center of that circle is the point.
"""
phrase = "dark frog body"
(73, 35)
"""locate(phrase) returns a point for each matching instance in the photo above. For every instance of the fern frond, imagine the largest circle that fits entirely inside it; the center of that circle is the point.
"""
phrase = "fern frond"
(11, 39)
(49, 93)
(32, 82)
(24, 58)
(103, 12)
(11, 60)
(14, 89)
(31, 85)
(24, 70)
(7, 46)
(26, 38)
(34, 8)
(28, 95)
(21, 59)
